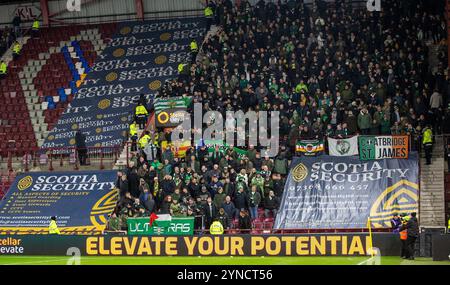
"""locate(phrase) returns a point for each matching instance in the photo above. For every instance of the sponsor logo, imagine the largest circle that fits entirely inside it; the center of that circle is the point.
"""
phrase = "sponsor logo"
(103, 207)
(155, 85)
(165, 36)
(299, 172)
(103, 104)
(25, 183)
(398, 198)
(161, 59)
(119, 52)
(125, 30)
(11, 246)
(111, 77)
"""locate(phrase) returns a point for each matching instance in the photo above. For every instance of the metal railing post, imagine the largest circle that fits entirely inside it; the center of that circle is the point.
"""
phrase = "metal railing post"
(51, 161)
(101, 159)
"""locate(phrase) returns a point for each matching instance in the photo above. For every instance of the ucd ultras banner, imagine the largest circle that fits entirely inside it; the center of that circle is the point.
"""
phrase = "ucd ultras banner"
(330, 192)
(81, 201)
(140, 57)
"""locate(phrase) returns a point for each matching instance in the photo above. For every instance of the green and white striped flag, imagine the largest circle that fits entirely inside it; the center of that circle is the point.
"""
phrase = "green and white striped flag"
(171, 103)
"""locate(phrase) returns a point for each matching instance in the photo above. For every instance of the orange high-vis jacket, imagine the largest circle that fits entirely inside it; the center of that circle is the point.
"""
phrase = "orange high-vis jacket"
(404, 235)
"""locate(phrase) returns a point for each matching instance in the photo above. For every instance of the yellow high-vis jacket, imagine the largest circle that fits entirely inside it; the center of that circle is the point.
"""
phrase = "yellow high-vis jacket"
(53, 228)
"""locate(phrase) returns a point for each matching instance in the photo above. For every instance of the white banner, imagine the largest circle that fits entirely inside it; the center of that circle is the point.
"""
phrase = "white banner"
(343, 147)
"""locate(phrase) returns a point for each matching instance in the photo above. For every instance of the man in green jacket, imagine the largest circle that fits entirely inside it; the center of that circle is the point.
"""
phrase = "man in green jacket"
(364, 121)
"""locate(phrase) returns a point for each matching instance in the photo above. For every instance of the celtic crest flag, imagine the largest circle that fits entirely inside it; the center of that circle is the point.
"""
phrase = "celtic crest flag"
(309, 147)
(343, 147)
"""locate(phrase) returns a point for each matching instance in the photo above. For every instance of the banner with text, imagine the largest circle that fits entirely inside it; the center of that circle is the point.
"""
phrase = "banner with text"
(346, 244)
(81, 201)
(176, 226)
(139, 59)
(342, 192)
(379, 147)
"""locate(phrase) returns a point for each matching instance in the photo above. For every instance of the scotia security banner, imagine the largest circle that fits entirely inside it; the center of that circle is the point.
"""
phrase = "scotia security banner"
(139, 59)
(330, 192)
(80, 200)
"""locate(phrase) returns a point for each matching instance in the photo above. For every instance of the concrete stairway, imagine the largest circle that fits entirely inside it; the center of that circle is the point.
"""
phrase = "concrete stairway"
(122, 160)
(432, 200)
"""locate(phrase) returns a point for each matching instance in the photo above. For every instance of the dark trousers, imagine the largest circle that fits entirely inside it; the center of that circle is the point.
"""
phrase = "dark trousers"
(404, 252)
(15, 56)
(133, 143)
(410, 242)
(141, 120)
(428, 150)
(194, 56)
(82, 155)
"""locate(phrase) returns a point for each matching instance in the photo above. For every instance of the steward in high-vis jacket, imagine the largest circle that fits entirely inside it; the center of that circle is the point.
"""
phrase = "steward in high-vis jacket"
(35, 28)
(3, 70)
(53, 227)
(209, 15)
(17, 48)
(427, 142)
(133, 136)
(141, 114)
(403, 237)
(194, 50)
(143, 141)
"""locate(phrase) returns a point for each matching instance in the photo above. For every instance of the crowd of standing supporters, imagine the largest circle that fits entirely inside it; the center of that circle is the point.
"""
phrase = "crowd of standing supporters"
(330, 69)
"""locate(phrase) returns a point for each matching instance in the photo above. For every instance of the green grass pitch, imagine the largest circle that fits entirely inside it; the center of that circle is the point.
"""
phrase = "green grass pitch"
(122, 260)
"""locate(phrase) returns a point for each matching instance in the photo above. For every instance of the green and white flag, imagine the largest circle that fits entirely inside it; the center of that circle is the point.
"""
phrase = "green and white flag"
(343, 147)
(309, 147)
(171, 103)
(380, 147)
(240, 152)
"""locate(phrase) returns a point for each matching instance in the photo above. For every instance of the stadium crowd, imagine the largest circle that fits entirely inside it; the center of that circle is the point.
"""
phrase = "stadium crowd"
(330, 72)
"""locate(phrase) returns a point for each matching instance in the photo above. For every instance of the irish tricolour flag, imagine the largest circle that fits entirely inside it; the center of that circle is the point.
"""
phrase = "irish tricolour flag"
(379, 147)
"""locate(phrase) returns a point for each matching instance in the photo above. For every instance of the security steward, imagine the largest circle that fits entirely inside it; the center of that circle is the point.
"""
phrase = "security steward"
(209, 15)
(427, 143)
(3, 70)
(143, 141)
(183, 71)
(53, 227)
(133, 136)
(216, 228)
(194, 50)
(17, 48)
(141, 114)
(35, 28)
(404, 236)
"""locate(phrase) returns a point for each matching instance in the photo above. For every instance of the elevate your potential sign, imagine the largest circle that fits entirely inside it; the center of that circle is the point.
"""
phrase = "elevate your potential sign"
(379, 147)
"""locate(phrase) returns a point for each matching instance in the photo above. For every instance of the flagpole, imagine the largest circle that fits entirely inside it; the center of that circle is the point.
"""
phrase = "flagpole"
(369, 225)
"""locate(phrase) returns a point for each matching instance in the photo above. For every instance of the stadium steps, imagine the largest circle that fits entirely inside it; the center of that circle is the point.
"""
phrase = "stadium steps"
(214, 30)
(431, 201)
(122, 160)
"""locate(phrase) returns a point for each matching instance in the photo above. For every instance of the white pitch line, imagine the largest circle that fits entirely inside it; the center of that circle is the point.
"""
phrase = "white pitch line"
(365, 261)
(35, 262)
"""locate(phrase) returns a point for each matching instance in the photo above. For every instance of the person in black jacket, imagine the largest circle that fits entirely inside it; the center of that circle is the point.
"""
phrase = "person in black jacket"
(133, 183)
(80, 142)
(241, 199)
(210, 211)
(271, 204)
(245, 223)
(412, 228)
